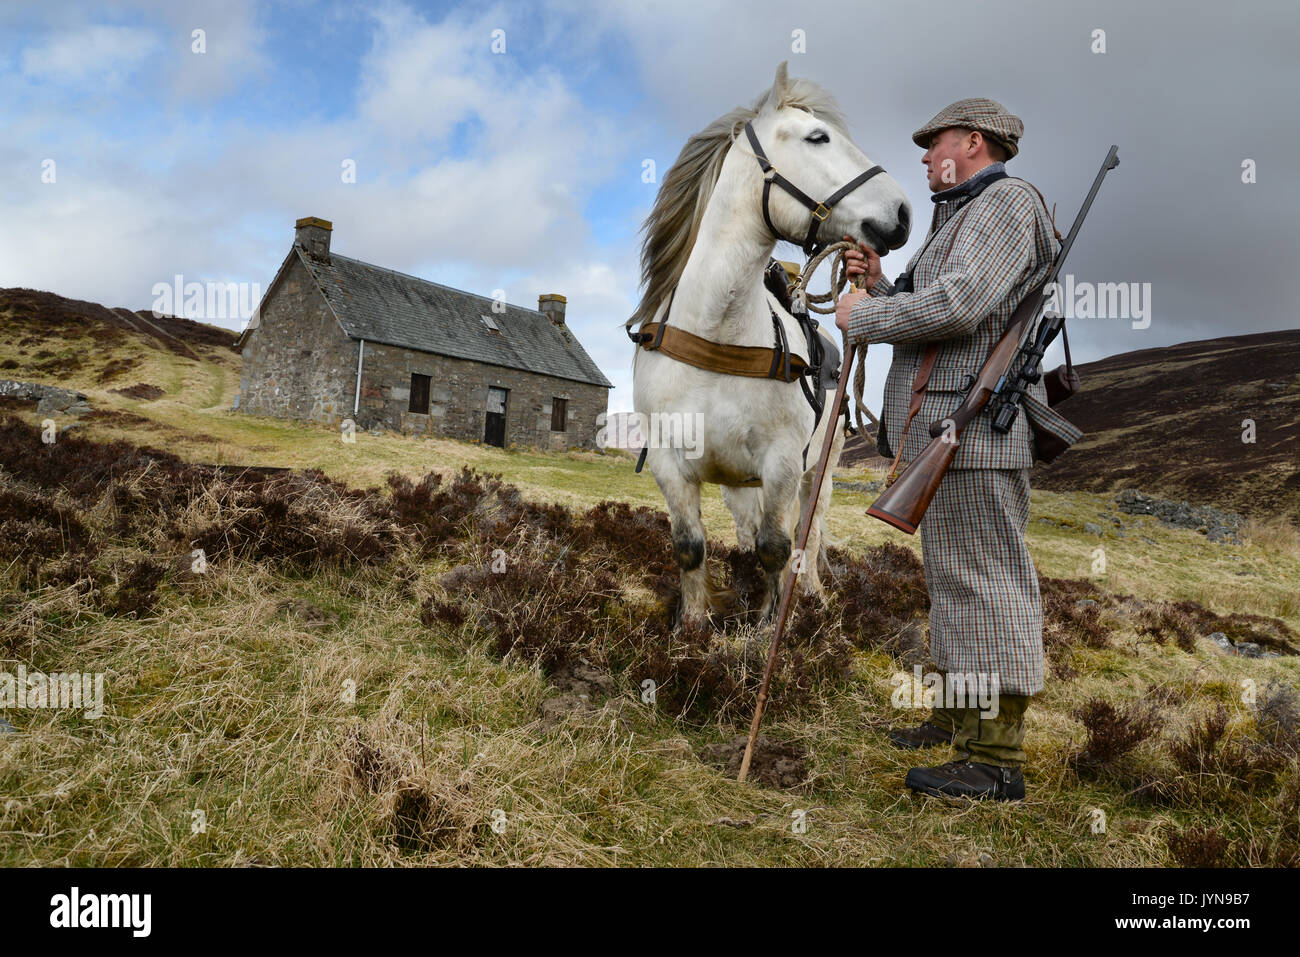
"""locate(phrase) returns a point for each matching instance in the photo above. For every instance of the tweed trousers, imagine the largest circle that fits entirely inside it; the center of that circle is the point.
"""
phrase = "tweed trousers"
(986, 614)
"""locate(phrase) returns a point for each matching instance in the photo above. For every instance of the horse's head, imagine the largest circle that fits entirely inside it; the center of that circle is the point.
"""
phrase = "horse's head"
(802, 132)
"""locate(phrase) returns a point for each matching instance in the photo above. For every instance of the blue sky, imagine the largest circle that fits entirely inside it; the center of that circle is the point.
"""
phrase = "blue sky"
(521, 170)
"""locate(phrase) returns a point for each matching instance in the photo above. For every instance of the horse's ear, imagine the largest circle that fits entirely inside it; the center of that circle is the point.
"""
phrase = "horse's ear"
(781, 86)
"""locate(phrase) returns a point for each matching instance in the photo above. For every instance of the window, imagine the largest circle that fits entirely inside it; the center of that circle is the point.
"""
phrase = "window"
(559, 415)
(419, 393)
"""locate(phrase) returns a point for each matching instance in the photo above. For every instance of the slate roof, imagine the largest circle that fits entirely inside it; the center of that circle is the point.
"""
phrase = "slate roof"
(380, 305)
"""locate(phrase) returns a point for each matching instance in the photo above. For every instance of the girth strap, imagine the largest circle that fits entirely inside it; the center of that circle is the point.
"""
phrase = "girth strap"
(756, 362)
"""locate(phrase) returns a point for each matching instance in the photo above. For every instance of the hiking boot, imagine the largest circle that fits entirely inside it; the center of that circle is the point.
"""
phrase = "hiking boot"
(969, 779)
(925, 735)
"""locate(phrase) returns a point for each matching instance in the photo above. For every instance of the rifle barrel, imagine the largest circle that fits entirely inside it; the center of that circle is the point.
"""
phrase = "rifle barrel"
(1111, 161)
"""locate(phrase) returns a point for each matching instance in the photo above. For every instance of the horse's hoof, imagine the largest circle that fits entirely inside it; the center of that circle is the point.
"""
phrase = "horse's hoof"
(681, 619)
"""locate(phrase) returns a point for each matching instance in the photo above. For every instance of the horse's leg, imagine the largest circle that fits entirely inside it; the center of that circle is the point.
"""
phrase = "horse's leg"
(683, 499)
(745, 504)
(814, 554)
(809, 578)
(780, 493)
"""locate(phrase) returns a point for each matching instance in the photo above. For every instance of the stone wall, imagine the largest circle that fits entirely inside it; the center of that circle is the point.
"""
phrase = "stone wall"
(298, 364)
(458, 395)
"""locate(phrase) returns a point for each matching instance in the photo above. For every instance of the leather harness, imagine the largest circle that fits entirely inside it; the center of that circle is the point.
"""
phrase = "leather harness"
(776, 362)
(820, 211)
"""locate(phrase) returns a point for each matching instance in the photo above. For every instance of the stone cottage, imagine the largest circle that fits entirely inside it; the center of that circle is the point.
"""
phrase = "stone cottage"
(336, 338)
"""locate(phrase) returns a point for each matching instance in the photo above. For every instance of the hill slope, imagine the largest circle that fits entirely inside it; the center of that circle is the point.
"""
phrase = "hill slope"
(475, 695)
(1170, 420)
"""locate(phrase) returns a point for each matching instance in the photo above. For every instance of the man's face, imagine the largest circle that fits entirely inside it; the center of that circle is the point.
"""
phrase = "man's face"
(946, 161)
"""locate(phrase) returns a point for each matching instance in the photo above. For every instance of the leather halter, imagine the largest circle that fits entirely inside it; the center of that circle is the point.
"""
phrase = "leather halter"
(757, 362)
(820, 211)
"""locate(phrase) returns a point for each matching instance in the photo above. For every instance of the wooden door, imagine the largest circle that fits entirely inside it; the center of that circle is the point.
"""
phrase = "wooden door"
(494, 428)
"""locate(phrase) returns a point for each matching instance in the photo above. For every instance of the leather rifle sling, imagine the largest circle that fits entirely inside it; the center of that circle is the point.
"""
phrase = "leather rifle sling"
(919, 384)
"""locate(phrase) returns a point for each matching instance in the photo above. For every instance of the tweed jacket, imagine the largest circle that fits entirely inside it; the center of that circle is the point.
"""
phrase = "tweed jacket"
(983, 256)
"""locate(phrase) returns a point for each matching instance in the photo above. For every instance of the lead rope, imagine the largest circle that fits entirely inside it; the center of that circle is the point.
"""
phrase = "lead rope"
(801, 298)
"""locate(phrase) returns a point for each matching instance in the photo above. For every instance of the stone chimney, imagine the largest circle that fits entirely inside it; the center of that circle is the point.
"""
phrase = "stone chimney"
(312, 235)
(551, 305)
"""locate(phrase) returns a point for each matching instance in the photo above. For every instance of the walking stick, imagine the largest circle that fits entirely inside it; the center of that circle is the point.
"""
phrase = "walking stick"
(805, 525)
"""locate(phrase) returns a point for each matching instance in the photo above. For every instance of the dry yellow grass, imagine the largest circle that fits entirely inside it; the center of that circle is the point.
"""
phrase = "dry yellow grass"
(232, 736)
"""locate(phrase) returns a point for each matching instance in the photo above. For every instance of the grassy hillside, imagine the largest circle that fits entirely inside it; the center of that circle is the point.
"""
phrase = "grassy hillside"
(1172, 420)
(347, 681)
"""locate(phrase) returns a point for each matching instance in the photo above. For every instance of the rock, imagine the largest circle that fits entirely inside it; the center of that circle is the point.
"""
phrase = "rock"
(48, 398)
(1092, 528)
(6, 727)
(1215, 525)
(1248, 649)
(1085, 602)
(986, 860)
(1226, 646)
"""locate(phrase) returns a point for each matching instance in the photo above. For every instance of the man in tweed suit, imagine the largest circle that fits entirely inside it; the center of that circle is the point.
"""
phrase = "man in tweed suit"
(990, 241)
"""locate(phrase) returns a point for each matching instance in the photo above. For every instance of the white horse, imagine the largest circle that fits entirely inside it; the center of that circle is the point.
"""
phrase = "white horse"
(707, 242)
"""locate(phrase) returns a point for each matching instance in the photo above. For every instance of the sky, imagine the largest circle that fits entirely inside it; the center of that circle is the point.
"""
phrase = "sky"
(129, 157)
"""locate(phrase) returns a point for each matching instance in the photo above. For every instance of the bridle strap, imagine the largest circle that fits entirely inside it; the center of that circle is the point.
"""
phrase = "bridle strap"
(820, 211)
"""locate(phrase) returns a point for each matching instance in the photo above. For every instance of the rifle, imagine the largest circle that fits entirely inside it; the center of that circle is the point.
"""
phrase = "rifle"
(903, 504)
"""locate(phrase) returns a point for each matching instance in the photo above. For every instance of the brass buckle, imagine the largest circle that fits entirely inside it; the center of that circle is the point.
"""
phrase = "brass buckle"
(824, 210)
(771, 174)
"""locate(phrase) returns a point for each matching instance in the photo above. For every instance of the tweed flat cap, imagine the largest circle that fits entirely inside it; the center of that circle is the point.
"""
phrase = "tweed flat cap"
(977, 113)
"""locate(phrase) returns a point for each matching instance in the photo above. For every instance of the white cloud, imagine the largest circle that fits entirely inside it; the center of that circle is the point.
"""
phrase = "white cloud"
(215, 196)
(102, 54)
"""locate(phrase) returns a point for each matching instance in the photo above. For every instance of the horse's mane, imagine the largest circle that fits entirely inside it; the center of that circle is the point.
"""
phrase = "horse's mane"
(674, 222)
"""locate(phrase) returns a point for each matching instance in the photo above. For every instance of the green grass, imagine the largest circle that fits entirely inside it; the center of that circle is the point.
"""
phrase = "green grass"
(225, 703)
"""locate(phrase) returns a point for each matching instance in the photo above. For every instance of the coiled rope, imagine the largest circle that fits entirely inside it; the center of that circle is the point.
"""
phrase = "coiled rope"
(800, 296)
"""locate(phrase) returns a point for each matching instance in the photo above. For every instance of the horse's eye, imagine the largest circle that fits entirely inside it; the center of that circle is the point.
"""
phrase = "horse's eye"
(817, 136)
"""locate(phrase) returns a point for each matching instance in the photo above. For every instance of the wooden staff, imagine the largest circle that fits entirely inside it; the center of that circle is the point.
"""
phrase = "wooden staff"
(805, 525)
